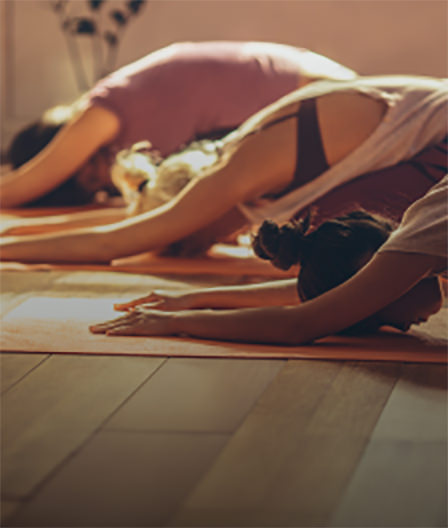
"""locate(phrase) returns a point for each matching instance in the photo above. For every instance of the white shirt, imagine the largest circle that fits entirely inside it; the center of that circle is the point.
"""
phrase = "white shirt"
(416, 117)
(424, 226)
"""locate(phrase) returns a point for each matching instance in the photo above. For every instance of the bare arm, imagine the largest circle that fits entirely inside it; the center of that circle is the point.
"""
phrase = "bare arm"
(384, 279)
(262, 163)
(273, 293)
(65, 154)
(44, 224)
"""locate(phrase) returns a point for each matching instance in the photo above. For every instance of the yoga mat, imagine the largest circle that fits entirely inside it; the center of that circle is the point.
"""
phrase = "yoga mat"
(60, 325)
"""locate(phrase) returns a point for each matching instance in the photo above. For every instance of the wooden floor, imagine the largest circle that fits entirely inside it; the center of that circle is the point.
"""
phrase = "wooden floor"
(125, 441)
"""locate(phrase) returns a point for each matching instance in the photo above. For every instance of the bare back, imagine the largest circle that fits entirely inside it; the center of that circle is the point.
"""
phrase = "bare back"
(346, 120)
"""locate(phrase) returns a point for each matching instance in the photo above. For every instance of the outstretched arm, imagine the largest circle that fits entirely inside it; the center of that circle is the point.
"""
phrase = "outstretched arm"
(273, 293)
(65, 154)
(263, 162)
(384, 279)
(44, 224)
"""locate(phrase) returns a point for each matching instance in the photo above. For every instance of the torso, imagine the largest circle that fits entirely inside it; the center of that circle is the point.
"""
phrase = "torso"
(345, 121)
(202, 87)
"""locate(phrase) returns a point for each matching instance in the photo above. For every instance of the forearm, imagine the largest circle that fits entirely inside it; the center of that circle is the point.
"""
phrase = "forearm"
(195, 207)
(274, 293)
(68, 151)
(281, 325)
(45, 224)
(83, 245)
(16, 188)
(94, 244)
(268, 325)
(382, 281)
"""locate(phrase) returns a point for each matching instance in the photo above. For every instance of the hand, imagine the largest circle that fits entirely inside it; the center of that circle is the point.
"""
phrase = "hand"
(140, 322)
(160, 300)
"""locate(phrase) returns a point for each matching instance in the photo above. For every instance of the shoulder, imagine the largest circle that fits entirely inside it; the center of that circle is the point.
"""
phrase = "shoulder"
(424, 226)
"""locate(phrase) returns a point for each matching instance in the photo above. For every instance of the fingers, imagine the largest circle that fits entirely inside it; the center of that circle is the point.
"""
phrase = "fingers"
(127, 306)
(140, 322)
(125, 330)
(119, 329)
(103, 328)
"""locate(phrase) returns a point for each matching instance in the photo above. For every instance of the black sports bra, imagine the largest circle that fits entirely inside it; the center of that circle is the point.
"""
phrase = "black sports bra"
(311, 160)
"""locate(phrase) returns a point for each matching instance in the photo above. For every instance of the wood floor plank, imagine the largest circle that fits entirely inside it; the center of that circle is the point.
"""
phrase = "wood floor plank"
(8, 508)
(417, 409)
(54, 410)
(122, 479)
(291, 459)
(13, 367)
(205, 395)
(402, 477)
(398, 483)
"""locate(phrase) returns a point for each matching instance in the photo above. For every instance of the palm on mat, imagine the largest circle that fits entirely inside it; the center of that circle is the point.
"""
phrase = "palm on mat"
(60, 324)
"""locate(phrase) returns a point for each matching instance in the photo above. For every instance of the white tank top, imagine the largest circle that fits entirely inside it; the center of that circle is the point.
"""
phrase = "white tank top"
(416, 117)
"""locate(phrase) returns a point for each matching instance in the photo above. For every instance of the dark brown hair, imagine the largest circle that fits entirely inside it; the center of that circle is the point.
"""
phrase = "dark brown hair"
(28, 143)
(329, 254)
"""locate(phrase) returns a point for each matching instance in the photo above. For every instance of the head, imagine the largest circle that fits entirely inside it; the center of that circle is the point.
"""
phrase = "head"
(333, 252)
(84, 184)
(146, 181)
(29, 141)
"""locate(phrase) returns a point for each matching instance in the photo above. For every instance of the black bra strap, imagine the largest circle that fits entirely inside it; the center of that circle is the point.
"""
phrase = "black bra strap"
(311, 160)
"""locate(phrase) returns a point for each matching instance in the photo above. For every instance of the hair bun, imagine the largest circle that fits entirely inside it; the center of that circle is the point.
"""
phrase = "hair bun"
(284, 246)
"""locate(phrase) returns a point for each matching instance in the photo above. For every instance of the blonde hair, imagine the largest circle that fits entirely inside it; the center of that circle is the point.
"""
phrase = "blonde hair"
(147, 181)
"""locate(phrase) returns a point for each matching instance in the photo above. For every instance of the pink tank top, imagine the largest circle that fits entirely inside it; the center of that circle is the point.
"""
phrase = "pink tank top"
(184, 90)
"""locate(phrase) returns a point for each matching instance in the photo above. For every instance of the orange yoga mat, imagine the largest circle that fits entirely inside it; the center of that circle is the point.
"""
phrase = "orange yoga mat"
(60, 326)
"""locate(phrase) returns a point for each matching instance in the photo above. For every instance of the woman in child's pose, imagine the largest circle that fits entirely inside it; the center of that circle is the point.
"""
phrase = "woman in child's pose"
(355, 273)
(170, 97)
(373, 141)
